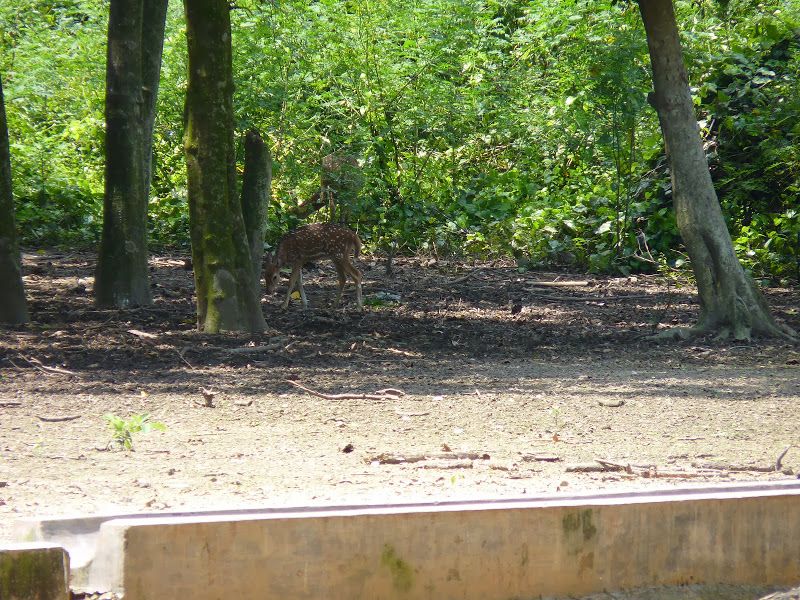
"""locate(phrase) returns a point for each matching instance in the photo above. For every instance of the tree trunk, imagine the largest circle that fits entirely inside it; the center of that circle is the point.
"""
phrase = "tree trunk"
(226, 296)
(122, 278)
(341, 179)
(12, 294)
(730, 302)
(155, 19)
(256, 192)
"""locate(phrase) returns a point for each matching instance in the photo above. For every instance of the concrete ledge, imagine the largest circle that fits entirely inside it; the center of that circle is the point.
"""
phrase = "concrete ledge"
(37, 571)
(492, 550)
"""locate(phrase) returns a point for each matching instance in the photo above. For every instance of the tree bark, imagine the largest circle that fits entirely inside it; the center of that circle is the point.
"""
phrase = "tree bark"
(122, 277)
(13, 308)
(153, 25)
(340, 181)
(730, 302)
(226, 296)
(256, 192)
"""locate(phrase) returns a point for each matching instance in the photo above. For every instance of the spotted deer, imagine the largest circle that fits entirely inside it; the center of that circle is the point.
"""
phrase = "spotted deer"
(313, 242)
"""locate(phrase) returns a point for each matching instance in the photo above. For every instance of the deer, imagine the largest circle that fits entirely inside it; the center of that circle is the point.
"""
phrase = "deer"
(313, 242)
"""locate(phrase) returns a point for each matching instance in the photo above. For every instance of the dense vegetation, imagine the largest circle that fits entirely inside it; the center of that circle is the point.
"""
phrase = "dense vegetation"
(484, 126)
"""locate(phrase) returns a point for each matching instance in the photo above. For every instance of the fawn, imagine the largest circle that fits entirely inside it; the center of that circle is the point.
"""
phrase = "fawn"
(312, 242)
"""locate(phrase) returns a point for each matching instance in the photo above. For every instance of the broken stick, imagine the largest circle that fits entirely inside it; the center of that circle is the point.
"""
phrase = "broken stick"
(379, 395)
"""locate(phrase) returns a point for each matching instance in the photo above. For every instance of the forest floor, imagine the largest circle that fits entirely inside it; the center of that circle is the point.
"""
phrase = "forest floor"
(508, 381)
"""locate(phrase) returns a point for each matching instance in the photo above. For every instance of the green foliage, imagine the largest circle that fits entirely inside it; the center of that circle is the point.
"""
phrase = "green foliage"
(55, 88)
(484, 127)
(123, 430)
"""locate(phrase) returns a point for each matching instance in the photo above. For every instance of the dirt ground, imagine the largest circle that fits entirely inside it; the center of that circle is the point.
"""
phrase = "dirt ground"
(506, 387)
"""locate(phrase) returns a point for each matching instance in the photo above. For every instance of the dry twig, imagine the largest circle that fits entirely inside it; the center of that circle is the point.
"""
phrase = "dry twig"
(37, 364)
(388, 458)
(379, 395)
(400, 413)
(560, 284)
(779, 460)
(734, 468)
(48, 419)
(472, 273)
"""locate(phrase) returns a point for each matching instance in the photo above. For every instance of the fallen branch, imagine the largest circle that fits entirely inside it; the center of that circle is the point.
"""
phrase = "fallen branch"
(37, 364)
(142, 334)
(180, 355)
(464, 464)
(472, 273)
(645, 471)
(734, 468)
(560, 284)
(614, 466)
(779, 460)
(48, 419)
(271, 347)
(611, 403)
(387, 458)
(592, 467)
(656, 474)
(391, 392)
(400, 413)
(597, 466)
(541, 458)
(379, 395)
(555, 298)
(10, 404)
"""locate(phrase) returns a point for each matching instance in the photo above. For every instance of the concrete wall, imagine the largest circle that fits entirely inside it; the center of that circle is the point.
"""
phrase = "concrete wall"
(486, 551)
(34, 571)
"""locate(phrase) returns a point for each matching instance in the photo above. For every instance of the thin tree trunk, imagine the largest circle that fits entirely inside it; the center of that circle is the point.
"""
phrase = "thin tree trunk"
(226, 296)
(153, 25)
(256, 192)
(13, 308)
(730, 302)
(122, 278)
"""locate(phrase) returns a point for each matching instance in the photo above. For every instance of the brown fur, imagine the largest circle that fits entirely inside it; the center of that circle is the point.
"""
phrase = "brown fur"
(314, 242)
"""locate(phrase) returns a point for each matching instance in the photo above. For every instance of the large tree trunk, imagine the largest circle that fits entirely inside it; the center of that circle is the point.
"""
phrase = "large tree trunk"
(226, 296)
(122, 278)
(730, 302)
(12, 295)
(256, 192)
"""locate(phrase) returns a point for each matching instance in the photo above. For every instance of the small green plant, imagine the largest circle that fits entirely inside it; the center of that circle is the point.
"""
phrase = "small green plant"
(122, 430)
(382, 299)
(558, 419)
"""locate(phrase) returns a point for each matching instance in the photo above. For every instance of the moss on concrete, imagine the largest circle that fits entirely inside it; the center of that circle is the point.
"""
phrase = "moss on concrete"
(36, 574)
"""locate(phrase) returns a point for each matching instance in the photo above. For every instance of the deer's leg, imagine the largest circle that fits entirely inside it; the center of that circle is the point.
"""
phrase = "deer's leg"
(293, 279)
(300, 288)
(341, 273)
(355, 275)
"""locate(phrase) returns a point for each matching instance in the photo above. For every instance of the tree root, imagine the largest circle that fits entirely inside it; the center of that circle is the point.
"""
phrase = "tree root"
(739, 332)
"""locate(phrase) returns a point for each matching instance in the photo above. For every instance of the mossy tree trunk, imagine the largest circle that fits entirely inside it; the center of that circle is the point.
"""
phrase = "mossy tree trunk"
(256, 192)
(13, 308)
(135, 42)
(226, 295)
(730, 302)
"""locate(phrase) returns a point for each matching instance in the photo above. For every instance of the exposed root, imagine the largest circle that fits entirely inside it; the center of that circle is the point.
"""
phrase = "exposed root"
(740, 332)
(678, 334)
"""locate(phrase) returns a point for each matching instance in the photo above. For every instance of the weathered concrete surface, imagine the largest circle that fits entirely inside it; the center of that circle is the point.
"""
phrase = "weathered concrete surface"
(488, 551)
(34, 571)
